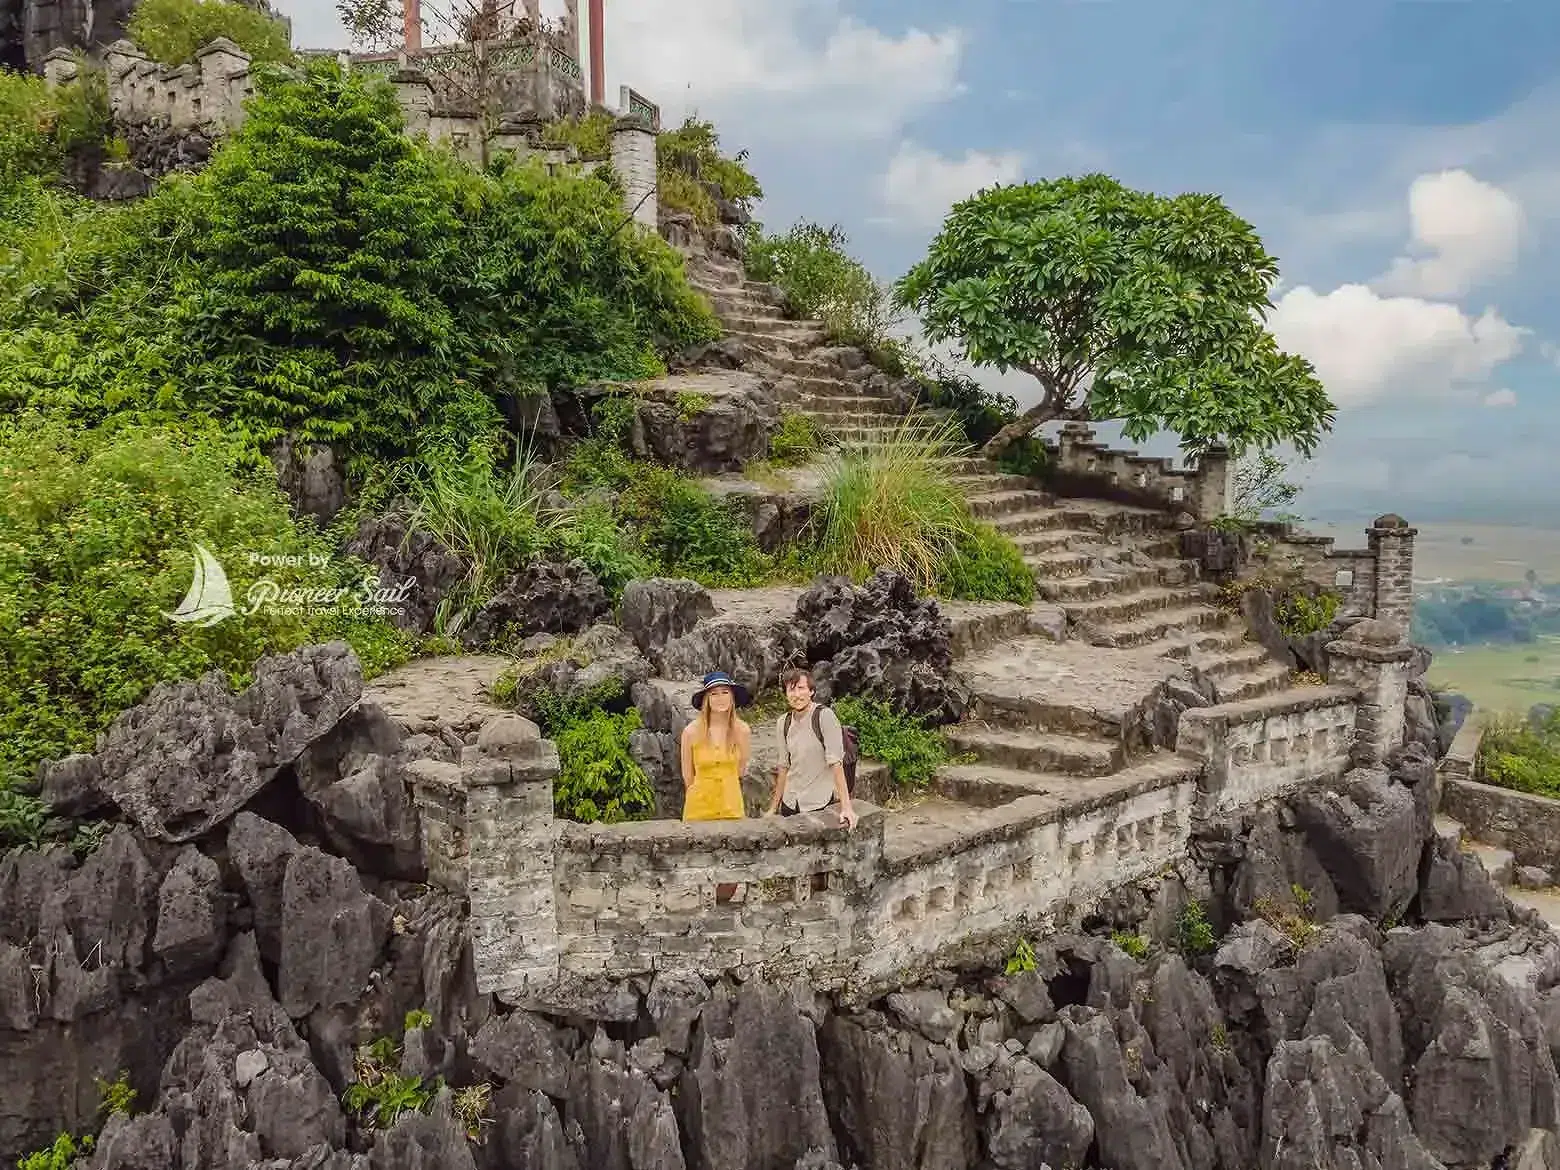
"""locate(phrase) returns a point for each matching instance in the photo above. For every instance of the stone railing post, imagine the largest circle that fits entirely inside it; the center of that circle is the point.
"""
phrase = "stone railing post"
(633, 158)
(414, 94)
(1213, 488)
(1374, 658)
(224, 68)
(489, 835)
(1392, 540)
(59, 67)
(1068, 440)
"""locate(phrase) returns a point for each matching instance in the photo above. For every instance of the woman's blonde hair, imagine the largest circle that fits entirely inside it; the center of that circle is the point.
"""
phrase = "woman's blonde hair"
(701, 724)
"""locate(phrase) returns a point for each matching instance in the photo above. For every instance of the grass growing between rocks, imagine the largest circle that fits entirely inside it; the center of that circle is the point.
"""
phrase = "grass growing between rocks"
(1521, 754)
(67, 1150)
(893, 504)
(380, 1093)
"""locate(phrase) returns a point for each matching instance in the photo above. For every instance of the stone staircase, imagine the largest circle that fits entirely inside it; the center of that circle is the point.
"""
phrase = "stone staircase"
(1528, 887)
(1115, 571)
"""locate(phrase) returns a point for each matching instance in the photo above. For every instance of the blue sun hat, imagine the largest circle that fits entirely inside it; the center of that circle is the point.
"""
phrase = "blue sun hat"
(719, 678)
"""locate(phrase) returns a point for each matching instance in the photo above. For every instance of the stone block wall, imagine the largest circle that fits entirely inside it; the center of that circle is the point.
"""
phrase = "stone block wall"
(634, 159)
(1527, 825)
(1259, 749)
(1350, 573)
(1082, 467)
(210, 93)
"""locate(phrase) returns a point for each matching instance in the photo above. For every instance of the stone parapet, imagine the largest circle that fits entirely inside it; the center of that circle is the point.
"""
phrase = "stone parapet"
(1527, 825)
(1374, 658)
(1256, 750)
(634, 159)
(1082, 467)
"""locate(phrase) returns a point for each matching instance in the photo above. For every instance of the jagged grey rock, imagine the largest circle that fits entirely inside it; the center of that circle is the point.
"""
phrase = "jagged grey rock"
(705, 423)
(192, 754)
(654, 612)
(410, 559)
(544, 598)
(332, 934)
(308, 475)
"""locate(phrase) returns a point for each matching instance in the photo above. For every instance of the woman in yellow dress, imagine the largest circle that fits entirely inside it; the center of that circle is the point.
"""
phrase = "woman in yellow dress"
(716, 747)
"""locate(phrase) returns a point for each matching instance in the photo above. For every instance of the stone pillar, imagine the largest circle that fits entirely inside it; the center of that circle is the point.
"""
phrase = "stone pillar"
(489, 835)
(1072, 436)
(1374, 657)
(1392, 540)
(59, 67)
(411, 25)
(414, 93)
(633, 158)
(1214, 490)
(224, 68)
(598, 53)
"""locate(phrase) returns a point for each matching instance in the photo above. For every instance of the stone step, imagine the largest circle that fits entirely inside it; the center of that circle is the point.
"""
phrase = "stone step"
(988, 786)
(1186, 645)
(1267, 679)
(988, 482)
(1044, 540)
(795, 344)
(867, 419)
(729, 302)
(1101, 583)
(772, 324)
(1059, 564)
(1156, 625)
(1128, 604)
(1231, 662)
(978, 626)
(1112, 519)
(815, 400)
(997, 505)
(816, 363)
(1036, 751)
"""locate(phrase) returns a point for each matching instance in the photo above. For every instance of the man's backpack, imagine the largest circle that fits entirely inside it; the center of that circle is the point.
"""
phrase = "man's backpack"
(848, 734)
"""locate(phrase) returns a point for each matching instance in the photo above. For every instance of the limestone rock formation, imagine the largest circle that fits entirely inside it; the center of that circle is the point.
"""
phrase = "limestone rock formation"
(544, 598)
(657, 611)
(705, 423)
(404, 554)
(879, 640)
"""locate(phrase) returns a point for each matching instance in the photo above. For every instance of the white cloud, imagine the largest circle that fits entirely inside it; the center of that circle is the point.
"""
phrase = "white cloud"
(1366, 346)
(920, 185)
(1465, 232)
(806, 66)
(1501, 397)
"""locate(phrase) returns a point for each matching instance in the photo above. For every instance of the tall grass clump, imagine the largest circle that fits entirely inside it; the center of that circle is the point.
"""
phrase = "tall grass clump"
(893, 504)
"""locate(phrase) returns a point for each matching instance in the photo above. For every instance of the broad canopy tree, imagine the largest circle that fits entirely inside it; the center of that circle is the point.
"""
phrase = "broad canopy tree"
(1123, 305)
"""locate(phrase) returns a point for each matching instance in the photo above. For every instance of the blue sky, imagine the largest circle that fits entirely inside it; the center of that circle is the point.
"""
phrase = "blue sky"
(1400, 158)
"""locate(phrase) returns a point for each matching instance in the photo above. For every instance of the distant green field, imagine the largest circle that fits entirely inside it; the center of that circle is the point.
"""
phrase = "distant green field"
(1501, 678)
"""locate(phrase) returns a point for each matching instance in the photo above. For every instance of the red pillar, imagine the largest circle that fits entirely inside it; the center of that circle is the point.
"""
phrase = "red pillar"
(411, 25)
(598, 55)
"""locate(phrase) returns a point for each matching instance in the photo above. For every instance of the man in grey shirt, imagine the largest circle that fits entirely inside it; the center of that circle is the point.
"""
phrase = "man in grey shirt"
(812, 762)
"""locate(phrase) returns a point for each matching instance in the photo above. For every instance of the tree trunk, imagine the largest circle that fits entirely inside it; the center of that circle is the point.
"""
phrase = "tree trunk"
(1035, 416)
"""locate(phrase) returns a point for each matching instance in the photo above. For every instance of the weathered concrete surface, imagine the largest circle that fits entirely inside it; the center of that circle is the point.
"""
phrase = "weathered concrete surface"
(432, 694)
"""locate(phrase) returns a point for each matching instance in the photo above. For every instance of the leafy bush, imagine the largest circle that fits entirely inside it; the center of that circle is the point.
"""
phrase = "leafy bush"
(600, 780)
(328, 277)
(823, 282)
(1522, 754)
(174, 31)
(1022, 960)
(1194, 931)
(986, 566)
(115, 1096)
(981, 413)
(892, 504)
(379, 1094)
(1300, 613)
(40, 124)
(687, 532)
(1135, 945)
(912, 751)
(693, 173)
(796, 440)
(96, 531)
(590, 134)
(66, 1152)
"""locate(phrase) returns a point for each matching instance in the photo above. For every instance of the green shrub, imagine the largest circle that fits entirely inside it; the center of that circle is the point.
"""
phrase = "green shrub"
(1193, 930)
(797, 439)
(912, 751)
(1299, 613)
(66, 1152)
(40, 124)
(987, 566)
(823, 282)
(687, 532)
(600, 780)
(1022, 960)
(115, 1096)
(96, 533)
(693, 172)
(593, 534)
(330, 278)
(172, 32)
(1135, 945)
(893, 504)
(1518, 754)
(590, 134)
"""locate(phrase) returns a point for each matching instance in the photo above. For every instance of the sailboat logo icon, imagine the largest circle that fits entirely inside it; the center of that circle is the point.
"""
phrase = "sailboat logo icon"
(210, 599)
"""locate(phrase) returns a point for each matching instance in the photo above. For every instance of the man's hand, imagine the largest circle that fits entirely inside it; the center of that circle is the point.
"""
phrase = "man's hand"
(848, 816)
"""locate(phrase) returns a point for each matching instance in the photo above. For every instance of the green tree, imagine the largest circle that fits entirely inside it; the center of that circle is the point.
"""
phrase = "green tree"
(173, 31)
(1262, 486)
(1122, 305)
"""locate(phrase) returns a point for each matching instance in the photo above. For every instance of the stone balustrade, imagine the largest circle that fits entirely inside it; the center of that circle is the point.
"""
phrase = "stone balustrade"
(1376, 581)
(552, 901)
(1082, 467)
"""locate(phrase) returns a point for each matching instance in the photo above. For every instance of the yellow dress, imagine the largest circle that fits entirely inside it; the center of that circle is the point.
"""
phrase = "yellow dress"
(716, 792)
